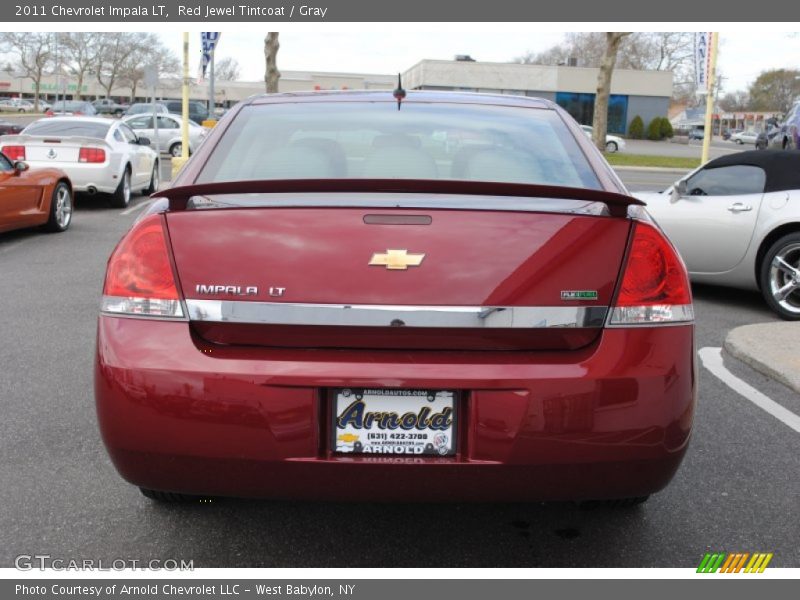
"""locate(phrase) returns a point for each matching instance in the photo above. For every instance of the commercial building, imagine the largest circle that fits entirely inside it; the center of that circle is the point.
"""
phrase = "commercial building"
(643, 93)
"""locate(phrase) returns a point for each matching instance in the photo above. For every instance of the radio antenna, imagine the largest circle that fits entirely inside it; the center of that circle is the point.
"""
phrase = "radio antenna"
(399, 93)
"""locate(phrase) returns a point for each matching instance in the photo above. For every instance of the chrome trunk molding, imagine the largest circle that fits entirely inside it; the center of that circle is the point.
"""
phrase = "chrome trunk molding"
(379, 315)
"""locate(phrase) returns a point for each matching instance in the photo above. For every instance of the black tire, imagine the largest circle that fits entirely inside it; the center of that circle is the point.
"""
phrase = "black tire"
(170, 497)
(118, 113)
(611, 147)
(615, 503)
(61, 206)
(154, 180)
(772, 278)
(175, 150)
(121, 198)
(740, 142)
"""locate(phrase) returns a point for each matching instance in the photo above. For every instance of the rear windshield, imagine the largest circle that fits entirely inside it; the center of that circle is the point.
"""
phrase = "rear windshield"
(67, 128)
(354, 140)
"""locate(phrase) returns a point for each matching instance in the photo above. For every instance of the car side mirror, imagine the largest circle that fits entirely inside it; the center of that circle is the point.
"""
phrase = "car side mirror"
(678, 190)
(143, 141)
(21, 166)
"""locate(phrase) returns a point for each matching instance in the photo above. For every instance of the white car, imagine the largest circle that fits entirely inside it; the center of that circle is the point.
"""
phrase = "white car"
(745, 137)
(613, 143)
(16, 105)
(170, 138)
(736, 222)
(99, 155)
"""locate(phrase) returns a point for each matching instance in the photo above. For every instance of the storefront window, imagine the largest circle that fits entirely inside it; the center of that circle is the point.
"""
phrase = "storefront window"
(581, 107)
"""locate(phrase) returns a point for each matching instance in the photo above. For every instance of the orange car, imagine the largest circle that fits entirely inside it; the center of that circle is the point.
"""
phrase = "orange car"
(33, 197)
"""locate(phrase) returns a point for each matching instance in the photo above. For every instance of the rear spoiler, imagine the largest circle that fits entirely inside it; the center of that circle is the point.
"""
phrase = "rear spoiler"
(73, 139)
(179, 196)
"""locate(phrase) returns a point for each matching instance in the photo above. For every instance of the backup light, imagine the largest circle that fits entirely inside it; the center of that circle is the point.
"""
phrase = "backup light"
(139, 277)
(655, 286)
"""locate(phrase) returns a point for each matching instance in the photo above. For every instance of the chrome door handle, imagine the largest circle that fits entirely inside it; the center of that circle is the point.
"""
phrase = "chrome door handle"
(739, 207)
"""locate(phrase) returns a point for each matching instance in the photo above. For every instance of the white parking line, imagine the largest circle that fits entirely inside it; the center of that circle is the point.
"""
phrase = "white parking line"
(712, 360)
(139, 206)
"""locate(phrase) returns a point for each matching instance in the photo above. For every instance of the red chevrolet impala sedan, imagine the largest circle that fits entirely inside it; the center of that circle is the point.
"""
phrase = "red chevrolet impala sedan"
(377, 296)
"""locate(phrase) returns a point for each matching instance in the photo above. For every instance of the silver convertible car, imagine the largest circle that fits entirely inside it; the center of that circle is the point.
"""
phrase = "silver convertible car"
(736, 222)
(99, 155)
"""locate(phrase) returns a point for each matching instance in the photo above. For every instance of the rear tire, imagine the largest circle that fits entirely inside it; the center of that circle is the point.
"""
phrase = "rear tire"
(122, 196)
(611, 147)
(169, 497)
(615, 503)
(779, 276)
(60, 208)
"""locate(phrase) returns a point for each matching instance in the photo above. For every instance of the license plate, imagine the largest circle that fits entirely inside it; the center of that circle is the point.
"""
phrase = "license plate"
(383, 421)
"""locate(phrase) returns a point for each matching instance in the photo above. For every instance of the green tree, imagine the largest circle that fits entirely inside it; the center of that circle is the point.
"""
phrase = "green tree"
(775, 89)
(636, 128)
(666, 128)
(654, 129)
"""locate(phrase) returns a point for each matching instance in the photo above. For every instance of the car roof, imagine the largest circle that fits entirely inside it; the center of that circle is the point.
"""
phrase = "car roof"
(411, 96)
(782, 167)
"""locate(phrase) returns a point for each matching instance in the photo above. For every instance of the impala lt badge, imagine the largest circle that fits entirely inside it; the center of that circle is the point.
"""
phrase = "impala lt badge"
(231, 290)
(396, 260)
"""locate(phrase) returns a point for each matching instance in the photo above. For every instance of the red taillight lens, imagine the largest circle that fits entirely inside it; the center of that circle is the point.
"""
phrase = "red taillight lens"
(139, 278)
(655, 286)
(91, 155)
(49, 113)
(14, 152)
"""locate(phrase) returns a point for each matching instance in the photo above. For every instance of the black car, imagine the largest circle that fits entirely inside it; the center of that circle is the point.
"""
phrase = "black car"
(197, 110)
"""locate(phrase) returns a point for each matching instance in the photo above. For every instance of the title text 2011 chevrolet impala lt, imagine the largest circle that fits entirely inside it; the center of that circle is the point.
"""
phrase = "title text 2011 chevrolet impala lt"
(350, 296)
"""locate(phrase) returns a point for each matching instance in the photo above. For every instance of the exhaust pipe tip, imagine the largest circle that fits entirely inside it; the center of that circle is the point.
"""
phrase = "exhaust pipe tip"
(91, 190)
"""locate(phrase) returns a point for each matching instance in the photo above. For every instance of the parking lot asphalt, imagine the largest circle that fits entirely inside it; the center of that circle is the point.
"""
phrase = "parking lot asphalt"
(737, 490)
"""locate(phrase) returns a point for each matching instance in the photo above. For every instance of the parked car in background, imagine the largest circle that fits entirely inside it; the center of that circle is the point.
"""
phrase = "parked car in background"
(198, 112)
(696, 133)
(67, 108)
(33, 197)
(139, 108)
(454, 300)
(106, 106)
(98, 154)
(7, 127)
(736, 222)
(613, 142)
(170, 138)
(744, 137)
(16, 105)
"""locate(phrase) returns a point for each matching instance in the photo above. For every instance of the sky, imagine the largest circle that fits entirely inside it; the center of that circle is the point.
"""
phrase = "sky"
(742, 55)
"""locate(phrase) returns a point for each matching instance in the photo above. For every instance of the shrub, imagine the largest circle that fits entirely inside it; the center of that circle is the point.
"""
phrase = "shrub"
(654, 130)
(636, 128)
(666, 128)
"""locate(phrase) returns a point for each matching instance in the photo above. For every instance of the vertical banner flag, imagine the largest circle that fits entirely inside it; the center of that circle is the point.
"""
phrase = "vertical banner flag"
(208, 41)
(702, 59)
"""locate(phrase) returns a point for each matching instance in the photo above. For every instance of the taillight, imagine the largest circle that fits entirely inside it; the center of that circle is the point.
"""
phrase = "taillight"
(14, 152)
(139, 278)
(49, 113)
(91, 155)
(655, 286)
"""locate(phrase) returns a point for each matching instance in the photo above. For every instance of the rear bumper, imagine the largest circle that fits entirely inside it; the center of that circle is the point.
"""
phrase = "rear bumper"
(611, 420)
(84, 176)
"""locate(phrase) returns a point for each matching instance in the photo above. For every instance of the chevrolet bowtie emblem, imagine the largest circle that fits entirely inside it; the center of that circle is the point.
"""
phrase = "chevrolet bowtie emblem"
(396, 260)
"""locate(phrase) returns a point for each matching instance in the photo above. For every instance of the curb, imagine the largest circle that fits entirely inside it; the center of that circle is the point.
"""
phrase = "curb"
(770, 348)
(656, 169)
